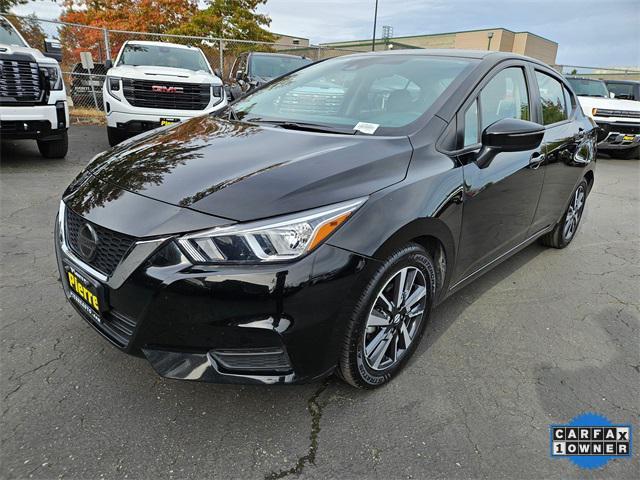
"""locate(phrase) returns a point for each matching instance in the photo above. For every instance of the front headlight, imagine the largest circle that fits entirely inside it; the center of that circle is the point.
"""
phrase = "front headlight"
(54, 75)
(113, 86)
(274, 240)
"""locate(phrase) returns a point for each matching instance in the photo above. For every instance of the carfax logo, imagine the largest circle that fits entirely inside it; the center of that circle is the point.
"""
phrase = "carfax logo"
(590, 440)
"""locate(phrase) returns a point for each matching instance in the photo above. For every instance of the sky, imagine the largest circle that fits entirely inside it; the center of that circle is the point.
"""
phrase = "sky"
(599, 33)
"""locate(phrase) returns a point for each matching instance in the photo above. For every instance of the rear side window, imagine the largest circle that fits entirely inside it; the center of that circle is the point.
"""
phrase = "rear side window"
(505, 96)
(554, 105)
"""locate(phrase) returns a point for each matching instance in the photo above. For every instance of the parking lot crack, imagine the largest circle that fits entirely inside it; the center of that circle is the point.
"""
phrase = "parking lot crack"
(315, 410)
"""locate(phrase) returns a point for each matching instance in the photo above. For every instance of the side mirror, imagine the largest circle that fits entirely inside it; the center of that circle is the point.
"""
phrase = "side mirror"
(601, 134)
(53, 49)
(217, 73)
(508, 135)
(108, 64)
(239, 75)
(612, 95)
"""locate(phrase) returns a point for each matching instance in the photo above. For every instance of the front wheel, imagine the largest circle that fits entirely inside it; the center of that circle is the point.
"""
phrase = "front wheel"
(565, 230)
(389, 318)
(54, 148)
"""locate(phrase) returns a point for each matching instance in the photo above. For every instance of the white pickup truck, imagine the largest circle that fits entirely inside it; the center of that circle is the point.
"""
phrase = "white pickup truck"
(33, 99)
(619, 119)
(153, 84)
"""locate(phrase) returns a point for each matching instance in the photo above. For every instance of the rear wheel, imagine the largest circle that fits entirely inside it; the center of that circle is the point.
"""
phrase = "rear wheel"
(565, 230)
(115, 136)
(54, 148)
(389, 318)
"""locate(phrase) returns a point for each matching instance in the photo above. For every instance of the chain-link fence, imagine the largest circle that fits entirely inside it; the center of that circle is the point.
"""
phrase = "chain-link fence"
(84, 87)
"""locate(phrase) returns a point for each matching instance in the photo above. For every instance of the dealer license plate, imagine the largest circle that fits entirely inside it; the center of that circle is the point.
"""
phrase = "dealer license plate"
(86, 293)
(168, 121)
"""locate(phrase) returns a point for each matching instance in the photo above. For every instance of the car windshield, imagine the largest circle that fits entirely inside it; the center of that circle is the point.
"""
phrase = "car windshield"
(272, 66)
(379, 92)
(8, 35)
(163, 56)
(589, 88)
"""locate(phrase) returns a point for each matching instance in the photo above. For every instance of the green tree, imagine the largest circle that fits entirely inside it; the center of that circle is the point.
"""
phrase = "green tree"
(7, 5)
(236, 19)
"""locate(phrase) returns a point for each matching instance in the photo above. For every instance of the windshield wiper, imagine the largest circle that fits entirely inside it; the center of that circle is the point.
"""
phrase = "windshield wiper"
(309, 127)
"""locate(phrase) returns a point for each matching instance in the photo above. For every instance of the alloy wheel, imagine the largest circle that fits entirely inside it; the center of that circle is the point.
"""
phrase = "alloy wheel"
(394, 319)
(573, 214)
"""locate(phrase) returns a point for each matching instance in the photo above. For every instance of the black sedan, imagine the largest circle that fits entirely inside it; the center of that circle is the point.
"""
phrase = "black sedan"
(313, 225)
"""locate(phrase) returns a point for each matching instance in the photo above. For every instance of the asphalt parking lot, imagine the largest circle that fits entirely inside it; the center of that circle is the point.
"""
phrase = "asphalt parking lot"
(545, 336)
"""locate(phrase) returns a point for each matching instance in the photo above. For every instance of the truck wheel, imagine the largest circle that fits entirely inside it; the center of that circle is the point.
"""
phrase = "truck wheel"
(54, 148)
(630, 154)
(115, 136)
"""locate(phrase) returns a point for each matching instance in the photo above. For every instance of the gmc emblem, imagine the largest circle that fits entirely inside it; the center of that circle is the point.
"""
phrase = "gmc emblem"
(165, 89)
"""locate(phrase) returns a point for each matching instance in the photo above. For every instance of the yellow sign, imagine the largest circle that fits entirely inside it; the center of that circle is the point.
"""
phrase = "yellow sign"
(83, 291)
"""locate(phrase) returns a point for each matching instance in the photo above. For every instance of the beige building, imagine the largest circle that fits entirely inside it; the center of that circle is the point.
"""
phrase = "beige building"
(499, 39)
(287, 41)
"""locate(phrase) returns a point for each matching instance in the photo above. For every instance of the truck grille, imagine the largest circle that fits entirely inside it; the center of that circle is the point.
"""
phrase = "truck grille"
(166, 95)
(603, 112)
(112, 246)
(19, 81)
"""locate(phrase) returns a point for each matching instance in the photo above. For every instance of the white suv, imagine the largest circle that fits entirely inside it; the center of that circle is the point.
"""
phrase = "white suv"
(618, 119)
(154, 84)
(33, 99)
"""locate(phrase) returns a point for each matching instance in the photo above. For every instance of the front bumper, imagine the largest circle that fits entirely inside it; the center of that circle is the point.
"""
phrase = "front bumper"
(41, 122)
(189, 321)
(619, 135)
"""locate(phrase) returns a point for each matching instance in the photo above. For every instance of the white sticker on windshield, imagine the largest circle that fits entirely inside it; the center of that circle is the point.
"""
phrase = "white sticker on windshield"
(364, 127)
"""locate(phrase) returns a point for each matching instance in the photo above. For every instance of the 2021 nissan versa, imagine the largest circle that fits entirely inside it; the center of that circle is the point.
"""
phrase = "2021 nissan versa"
(313, 225)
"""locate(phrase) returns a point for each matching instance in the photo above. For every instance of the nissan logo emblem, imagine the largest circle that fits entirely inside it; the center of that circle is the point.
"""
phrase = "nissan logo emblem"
(87, 242)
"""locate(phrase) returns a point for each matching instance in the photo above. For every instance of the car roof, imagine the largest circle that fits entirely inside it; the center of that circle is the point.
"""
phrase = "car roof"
(491, 55)
(632, 82)
(164, 44)
(577, 77)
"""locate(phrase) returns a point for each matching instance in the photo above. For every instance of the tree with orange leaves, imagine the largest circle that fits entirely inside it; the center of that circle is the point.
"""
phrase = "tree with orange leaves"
(132, 15)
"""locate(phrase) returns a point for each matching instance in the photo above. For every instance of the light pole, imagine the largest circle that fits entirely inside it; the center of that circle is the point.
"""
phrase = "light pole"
(489, 36)
(375, 19)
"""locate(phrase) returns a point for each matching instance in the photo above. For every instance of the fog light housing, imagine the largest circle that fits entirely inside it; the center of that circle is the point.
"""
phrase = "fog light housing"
(249, 360)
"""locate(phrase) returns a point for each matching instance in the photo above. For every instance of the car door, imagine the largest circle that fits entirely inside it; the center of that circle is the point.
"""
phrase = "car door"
(500, 200)
(567, 145)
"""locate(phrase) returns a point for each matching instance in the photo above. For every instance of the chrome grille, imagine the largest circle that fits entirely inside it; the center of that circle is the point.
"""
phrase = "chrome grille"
(112, 246)
(604, 112)
(187, 96)
(19, 81)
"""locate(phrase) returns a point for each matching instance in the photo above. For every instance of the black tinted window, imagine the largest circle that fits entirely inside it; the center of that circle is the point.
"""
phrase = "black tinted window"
(505, 96)
(554, 106)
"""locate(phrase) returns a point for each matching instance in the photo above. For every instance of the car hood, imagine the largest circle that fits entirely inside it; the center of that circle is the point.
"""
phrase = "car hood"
(36, 54)
(166, 74)
(245, 172)
(587, 103)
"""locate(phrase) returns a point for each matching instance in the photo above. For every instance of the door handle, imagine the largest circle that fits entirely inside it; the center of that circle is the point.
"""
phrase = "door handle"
(536, 160)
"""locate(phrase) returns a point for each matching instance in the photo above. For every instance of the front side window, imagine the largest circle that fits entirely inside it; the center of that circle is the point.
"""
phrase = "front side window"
(386, 92)
(554, 107)
(163, 56)
(471, 125)
(505, 96)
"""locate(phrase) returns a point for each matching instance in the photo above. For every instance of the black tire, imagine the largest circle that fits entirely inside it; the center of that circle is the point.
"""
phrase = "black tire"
(629, 154)
(54, 148)
(561, 236)
(354, 366)
(115, 136)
